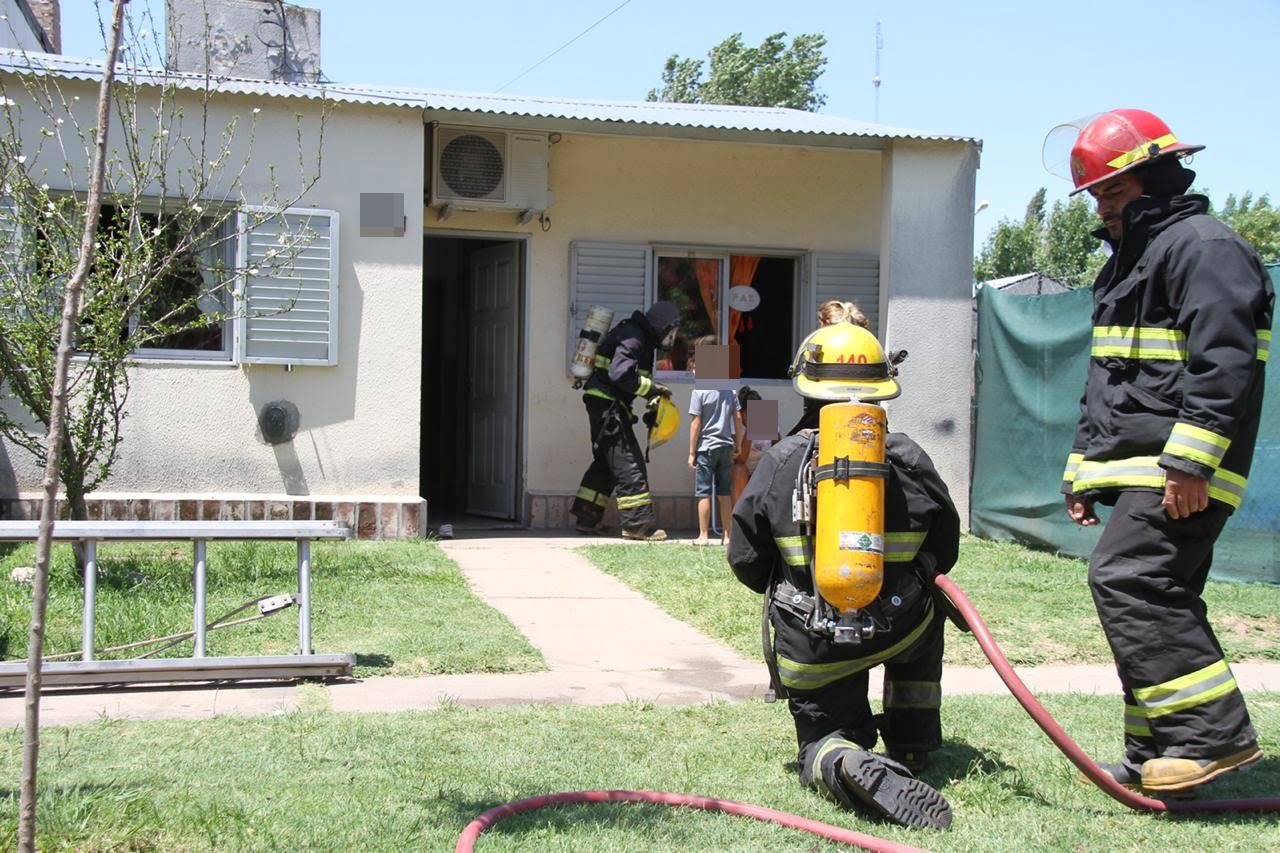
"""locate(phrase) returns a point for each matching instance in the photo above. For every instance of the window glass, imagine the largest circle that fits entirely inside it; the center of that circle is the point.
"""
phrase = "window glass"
(700, 286)
(185, 309)
(189, 296)
(693, 284)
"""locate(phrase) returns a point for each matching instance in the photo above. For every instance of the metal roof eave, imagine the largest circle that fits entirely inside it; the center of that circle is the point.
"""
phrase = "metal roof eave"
(652, 130)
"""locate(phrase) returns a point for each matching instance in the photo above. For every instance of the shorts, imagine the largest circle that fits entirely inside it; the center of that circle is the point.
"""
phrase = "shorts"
(714, 464)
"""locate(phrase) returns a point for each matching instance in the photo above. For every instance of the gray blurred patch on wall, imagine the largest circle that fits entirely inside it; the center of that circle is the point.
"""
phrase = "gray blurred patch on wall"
(382, 215)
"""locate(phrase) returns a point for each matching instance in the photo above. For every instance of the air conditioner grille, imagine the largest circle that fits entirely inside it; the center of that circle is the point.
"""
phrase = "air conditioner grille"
(471, 167)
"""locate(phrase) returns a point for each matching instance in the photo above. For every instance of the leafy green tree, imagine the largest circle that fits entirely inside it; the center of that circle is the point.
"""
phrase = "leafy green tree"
(1256, 220)
(771, 75)
(1058, 244)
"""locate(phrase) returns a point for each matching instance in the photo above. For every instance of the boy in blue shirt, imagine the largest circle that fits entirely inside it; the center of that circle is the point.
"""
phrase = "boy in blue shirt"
(716, 431)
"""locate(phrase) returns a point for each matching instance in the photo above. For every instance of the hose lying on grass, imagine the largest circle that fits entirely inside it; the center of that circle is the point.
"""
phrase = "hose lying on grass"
(982, 634)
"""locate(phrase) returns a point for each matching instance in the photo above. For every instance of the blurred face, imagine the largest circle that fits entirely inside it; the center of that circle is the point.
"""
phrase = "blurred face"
(1111, 197)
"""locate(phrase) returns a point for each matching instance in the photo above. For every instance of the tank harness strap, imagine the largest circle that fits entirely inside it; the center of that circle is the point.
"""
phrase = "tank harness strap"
(843, 468)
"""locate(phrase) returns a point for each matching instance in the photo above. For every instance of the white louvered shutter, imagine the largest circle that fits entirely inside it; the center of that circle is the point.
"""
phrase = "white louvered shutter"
(612, 275)
(849, 278)
(287, 311)
(10, 237)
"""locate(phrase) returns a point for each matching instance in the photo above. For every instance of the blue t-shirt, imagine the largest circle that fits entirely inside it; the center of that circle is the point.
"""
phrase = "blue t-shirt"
(717, 409)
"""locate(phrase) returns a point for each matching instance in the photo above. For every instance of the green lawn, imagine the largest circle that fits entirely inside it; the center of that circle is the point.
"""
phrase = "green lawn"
(1037, 605)
(316, 780)
(403, 608)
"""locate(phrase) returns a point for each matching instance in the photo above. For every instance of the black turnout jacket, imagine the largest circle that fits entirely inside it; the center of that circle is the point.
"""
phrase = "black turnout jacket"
(1181, 333)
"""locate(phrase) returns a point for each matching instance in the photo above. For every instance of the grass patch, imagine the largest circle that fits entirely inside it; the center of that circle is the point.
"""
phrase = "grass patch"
(317, 780)
(403, 608)
(1037, 605)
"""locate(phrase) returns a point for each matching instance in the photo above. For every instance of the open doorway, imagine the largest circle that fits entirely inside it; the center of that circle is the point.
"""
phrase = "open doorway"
(470, 462)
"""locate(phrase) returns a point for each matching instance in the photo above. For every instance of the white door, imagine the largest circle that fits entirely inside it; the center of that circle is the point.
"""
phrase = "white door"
(491, 482)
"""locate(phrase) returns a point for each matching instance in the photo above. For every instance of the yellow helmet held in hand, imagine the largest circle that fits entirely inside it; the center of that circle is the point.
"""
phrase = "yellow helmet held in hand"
(843, 362)
(663, 419)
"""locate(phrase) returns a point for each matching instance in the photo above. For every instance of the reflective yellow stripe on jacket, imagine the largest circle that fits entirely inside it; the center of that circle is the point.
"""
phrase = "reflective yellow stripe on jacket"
(1197, 444)
(898, 547)
(1145, 472)
(1149, 343)
(1073, 465)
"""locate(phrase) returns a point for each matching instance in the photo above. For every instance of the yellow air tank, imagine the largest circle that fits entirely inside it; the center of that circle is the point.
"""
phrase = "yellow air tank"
(849, 539)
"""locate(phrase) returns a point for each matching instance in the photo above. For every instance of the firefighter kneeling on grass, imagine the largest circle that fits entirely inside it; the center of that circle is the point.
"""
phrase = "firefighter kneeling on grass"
(623, 371)
(894, 526)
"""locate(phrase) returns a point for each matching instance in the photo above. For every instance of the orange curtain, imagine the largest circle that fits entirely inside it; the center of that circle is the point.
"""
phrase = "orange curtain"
(742, 270)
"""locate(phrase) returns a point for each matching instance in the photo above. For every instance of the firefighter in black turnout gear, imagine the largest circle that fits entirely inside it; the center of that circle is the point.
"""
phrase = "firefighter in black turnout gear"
(623, 371)
(825, 681)
(1170, 413)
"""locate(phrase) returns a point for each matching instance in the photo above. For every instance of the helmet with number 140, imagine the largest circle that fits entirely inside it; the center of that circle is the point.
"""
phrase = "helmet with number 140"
(843, 362)
(1119, 141)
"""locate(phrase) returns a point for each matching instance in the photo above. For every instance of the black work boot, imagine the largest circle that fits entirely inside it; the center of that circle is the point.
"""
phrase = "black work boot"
(913, 760)
(888, 790)
(1122, 771)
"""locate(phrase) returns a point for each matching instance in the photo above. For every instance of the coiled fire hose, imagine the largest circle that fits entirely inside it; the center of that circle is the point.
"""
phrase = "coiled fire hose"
(1026, 699)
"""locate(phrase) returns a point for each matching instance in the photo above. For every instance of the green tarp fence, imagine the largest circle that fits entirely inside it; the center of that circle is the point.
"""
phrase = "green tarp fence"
(1030, 369)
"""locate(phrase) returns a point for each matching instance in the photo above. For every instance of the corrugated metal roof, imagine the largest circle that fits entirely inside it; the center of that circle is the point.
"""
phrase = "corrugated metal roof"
(632, 113)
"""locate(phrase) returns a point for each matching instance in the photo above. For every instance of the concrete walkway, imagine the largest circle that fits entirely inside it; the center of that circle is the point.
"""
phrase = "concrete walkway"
(603, 644)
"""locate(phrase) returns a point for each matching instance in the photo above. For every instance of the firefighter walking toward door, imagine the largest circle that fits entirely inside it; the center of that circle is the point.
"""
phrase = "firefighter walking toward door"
(907, 526)
(1171, 409)
(623, 370)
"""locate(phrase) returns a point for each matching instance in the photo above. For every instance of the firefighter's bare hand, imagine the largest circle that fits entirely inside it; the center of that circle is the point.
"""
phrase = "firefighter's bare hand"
(1184, 494)
(1081, 511)
(692, 466)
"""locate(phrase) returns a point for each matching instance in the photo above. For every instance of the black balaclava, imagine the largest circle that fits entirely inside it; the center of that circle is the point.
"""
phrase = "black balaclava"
(1165, 178)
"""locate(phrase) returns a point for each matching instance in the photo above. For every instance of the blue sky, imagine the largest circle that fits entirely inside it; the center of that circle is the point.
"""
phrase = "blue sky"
(1006, 72)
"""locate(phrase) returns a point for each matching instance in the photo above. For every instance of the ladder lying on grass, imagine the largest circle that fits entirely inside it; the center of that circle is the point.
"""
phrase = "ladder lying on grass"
(198, 667)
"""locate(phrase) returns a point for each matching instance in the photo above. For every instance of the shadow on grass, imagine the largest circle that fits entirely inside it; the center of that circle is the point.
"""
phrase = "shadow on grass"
(376, 660)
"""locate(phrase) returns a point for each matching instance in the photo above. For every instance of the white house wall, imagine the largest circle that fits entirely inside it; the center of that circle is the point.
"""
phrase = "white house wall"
(926, 285)
(636, 190)
(193, 426)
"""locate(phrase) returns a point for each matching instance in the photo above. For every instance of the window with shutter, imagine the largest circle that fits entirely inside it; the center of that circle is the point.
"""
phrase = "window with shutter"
(287, 312)
(848, 278)
(611, 275)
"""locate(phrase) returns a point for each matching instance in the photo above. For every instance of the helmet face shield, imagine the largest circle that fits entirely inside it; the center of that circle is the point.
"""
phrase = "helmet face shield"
(1097, 148)
(843, 362)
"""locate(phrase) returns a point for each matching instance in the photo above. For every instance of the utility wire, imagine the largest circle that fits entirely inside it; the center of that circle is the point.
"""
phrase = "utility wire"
(563, 46)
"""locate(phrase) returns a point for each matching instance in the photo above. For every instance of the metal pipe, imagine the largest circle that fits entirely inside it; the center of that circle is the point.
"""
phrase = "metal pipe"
(304, 594)
(87, 618)
(200, 571)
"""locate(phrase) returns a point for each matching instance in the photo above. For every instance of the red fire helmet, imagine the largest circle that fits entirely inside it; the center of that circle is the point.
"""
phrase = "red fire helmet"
(1120, 140)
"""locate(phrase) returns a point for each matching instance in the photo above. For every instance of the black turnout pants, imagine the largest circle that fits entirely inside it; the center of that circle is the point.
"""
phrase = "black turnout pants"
(616, 461)
(1147, 575)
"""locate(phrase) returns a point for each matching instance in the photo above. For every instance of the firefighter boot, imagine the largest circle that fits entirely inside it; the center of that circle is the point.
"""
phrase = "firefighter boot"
(1171, 775)
(888, 790)
(1123, 772)
(652, 534)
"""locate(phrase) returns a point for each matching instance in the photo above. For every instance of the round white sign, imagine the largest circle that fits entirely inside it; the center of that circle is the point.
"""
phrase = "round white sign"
(744, 298)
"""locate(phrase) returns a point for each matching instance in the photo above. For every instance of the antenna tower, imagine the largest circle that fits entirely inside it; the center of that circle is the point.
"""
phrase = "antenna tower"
(875, 81)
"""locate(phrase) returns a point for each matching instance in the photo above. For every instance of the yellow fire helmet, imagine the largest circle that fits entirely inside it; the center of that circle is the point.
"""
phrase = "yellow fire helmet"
(843, 362)
(666, 421)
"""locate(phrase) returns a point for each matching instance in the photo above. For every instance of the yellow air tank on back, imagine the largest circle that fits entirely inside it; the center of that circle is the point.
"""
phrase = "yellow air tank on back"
(849, 539)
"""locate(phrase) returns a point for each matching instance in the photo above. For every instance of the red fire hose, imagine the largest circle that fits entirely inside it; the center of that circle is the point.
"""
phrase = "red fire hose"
(1064, 742)
(824, 830)
(1060, 738)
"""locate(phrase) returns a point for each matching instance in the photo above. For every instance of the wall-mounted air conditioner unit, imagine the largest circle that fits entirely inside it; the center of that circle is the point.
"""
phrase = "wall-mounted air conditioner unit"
(497, 169)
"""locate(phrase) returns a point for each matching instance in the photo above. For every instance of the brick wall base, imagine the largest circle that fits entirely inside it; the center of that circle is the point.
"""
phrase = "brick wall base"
(551, 512)
(378, 518)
